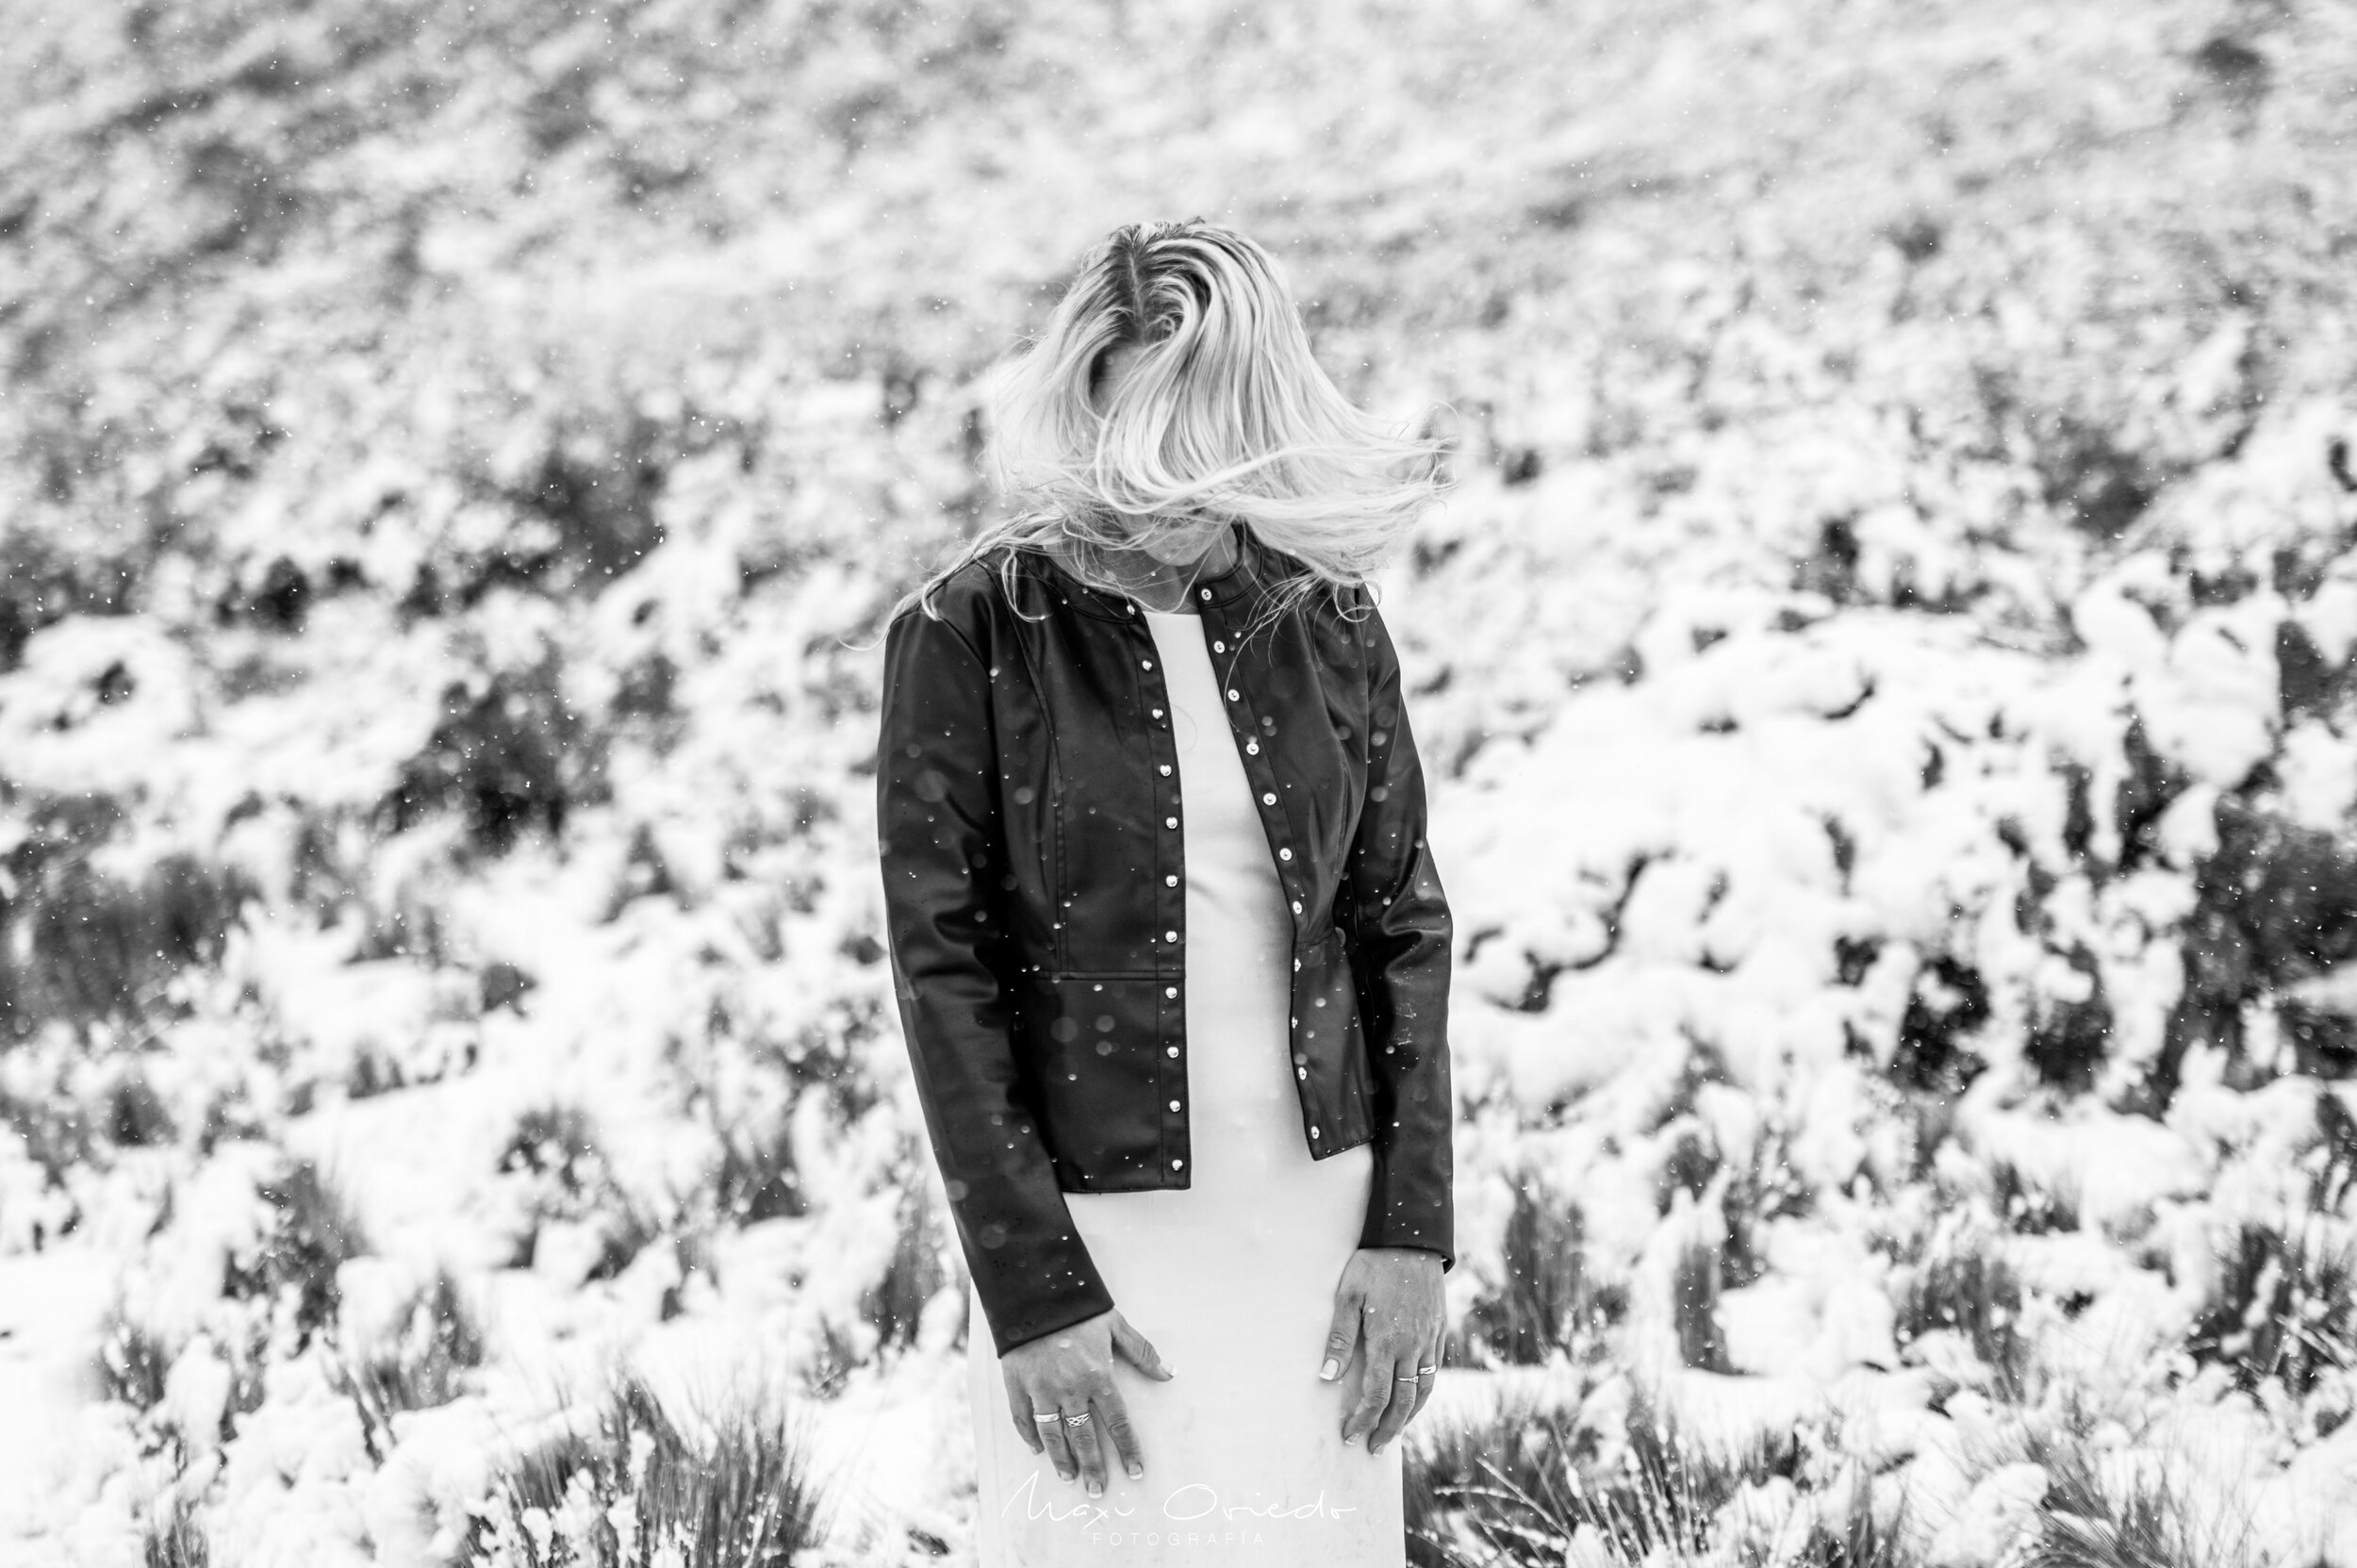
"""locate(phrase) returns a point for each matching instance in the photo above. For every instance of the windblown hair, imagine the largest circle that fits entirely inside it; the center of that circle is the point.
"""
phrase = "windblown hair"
(1226, 416)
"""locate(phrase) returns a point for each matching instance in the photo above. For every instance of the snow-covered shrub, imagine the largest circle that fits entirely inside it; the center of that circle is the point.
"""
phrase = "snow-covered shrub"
(895, 1305)
(753, 1175)
(555, 1155)
(175, 1538)
(2027, 1206)
(1528, 1480)
(430, 1362)
(1903, 641)
(508, 754)
(292, 1267)
(1947, 1004)
(1493, 1484)
(1765, 1189)
(2275, 905)
(86, 947)
(1694, 1306)
(624, 1484)
(45, 577)
(2283, 1306)
(1545, 1300)
(2102, 1506)
(2332, 1164)
(1852, 1530)
(132, 1364)
(1955, 1282)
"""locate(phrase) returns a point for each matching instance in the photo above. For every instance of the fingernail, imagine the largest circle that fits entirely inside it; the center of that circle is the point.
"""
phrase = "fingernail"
(1375, 1448)
(1350, 1437)
(1136, 1470)
(1329, 1369)
(1096, 1490)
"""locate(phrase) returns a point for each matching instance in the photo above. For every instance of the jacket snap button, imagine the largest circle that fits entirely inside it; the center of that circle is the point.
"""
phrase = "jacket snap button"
(1145, 664)
(1268, 799)
(1206, 593)
(1177, 1164)
(1251, 748)
(1231, 695)
(1158, 712)
(1170, 882)
(1301, 1072)
(1165, 770)
(1297, 906)
(1173, 990)
(1170, 821)
(1170, 936)
(1219, 647)
(1173, 1105)
(1313, 1132)
(1284, 854)
(1173, 1050)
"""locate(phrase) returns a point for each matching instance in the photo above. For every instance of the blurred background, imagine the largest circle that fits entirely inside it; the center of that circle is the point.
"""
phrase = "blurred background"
(1884, 673)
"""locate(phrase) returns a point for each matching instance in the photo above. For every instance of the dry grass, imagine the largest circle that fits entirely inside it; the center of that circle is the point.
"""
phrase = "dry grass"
(2283, 1307)
(132, 1362)
(1519, 1484)
(439, 1348)
(176, 1540)
(1954, 1279)
(634, 1487)
(1547, 1301)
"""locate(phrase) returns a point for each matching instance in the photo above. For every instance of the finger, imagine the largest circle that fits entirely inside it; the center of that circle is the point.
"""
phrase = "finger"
(1112, 1419)
(1052, 1434)
(1138, 1350)
(1341, 1333)
(1019, 1407)
(1403, 1401)
(1425, 1380)
(1085, 1447)
(1374, 1394)
(1374, 1399)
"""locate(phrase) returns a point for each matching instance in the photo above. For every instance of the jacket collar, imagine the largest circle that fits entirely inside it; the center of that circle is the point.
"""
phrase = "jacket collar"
(1241, 580)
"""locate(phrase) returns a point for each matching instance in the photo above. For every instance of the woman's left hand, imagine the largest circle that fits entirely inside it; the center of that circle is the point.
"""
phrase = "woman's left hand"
(1390, 1299)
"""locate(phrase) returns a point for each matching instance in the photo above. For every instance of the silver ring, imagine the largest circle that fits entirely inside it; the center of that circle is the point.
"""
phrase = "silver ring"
(1402, 1379)
(1048, 1419)
(1079, 1420)
(1422, 1370)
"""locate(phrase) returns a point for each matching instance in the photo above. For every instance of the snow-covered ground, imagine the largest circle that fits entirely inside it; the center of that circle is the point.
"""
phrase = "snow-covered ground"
(1888, 674)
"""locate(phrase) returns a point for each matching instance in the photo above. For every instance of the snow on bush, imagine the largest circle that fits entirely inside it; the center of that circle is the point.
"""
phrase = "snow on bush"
(1887, 677)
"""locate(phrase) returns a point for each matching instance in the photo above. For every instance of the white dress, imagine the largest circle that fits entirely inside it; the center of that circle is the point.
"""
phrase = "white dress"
(1232, 1279)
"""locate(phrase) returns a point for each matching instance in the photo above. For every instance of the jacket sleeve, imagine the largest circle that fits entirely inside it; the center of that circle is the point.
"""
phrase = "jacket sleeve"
(1401, 932)
(944, 858)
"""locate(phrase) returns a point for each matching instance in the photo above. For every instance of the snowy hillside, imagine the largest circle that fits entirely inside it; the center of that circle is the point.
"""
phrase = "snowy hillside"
(1889, 675)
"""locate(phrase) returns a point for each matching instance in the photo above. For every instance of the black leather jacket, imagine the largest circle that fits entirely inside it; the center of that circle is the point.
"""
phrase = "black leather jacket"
(1035, 896)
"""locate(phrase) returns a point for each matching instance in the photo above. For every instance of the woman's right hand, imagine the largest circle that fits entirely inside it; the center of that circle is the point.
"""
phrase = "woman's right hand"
(1069, 1372)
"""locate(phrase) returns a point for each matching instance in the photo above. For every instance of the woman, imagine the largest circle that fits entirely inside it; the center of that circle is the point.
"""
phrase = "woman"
(1171, 954)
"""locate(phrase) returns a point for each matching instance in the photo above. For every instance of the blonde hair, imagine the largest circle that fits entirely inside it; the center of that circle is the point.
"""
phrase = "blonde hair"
(1225, 415)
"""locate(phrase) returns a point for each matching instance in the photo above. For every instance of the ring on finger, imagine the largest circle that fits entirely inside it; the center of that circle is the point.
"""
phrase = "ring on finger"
(1047, 1418)
(1079, 1420)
